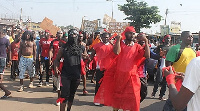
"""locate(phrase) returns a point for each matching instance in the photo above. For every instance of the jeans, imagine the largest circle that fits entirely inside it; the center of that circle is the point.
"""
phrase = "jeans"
(160, 79)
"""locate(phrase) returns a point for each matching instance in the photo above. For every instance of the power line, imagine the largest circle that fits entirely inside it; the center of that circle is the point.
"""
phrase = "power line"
(66, 2)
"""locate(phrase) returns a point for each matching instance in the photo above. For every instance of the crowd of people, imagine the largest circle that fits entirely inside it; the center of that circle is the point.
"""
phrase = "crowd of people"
(118, 63)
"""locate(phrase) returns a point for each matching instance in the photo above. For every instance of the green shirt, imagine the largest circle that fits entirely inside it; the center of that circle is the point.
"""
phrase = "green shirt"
(173, 52)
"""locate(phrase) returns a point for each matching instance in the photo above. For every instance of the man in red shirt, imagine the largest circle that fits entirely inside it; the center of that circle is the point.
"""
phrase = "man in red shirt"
(105, 55)
(44, 48)
(15, 45)
(54, 48)
(122, 85)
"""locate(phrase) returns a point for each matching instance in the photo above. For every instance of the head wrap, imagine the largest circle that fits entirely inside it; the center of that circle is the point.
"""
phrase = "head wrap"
(128, 29)
(166, 36)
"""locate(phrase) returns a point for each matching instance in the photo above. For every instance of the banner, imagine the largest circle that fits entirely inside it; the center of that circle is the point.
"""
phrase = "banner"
(164, 30)
(117, 27)
(175, 27)
(47, 24)
(90, 26)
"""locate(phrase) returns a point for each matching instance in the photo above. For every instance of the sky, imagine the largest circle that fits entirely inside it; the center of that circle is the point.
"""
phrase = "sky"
(71, 12)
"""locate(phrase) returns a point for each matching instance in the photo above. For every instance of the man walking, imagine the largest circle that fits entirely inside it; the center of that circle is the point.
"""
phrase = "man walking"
(27, 54)
(4, 44)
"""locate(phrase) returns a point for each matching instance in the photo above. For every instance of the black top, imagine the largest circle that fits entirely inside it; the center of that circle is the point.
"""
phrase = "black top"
(72, 61)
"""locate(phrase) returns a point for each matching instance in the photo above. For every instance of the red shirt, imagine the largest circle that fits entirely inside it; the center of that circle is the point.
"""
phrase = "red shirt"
(104, 53)
(45, 45)
(55, 45)
(14, 50)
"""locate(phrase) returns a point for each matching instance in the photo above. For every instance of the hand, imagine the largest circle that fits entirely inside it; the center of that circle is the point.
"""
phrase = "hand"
(57, 72)
(118, 37)
(10, 62)
(50, 63)
(85, 55)
(34, 62)
(142, 37)
(50, 67)
(167, 72)
(87, 67)
(180, 75)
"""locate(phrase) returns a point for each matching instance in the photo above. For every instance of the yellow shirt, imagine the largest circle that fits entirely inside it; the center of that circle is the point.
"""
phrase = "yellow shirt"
(187, 55)
(11, 39)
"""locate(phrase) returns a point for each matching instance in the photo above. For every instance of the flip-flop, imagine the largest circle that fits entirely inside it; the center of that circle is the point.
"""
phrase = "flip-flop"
(5, 97)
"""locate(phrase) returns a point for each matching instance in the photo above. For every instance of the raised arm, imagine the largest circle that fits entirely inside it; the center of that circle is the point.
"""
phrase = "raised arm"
(117, 48)
(179, 99)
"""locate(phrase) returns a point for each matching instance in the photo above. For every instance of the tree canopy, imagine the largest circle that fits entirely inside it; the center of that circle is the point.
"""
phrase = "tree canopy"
(140, 14)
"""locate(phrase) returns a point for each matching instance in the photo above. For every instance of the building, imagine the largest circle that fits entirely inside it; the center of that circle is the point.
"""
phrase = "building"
(33, 26)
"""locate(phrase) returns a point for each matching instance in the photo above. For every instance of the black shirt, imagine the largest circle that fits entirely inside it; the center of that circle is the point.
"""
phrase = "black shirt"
(72, 62)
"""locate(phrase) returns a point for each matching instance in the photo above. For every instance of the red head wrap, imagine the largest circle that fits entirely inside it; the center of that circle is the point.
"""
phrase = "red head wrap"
(128, 29)
(166, 36)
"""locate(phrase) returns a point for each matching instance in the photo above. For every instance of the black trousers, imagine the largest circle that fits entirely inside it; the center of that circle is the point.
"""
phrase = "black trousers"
(99, 75)
(69, 87)
(143, 89)
(14, 68)
(45, 63)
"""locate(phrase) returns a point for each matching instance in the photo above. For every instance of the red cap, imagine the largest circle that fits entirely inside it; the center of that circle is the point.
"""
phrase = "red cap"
(48, 32)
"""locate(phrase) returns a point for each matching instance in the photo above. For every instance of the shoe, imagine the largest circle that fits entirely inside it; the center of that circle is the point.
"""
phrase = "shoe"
(85, 92)
(97, 104)
(47, 83)
(31, 85)
(58, 104)
(21, 89)
(40, 84)
(153, 95)
(162, 98)
(6, 95)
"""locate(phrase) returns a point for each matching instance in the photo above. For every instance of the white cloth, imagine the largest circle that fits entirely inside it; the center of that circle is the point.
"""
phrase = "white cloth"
(57, 81)
(162, 64)
(7, 37)
(192, 82)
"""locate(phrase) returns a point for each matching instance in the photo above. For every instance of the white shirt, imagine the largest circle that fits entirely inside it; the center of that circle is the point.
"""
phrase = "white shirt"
(192, 82)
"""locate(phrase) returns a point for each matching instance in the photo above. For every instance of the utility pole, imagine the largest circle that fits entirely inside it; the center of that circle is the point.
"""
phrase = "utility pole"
(166, 16)
(112, 7)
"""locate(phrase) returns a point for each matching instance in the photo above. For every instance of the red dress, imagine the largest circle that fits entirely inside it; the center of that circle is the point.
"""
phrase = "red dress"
(120, 87)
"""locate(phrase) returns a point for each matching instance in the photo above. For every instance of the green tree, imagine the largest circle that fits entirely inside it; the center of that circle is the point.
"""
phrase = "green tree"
(140, 14)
